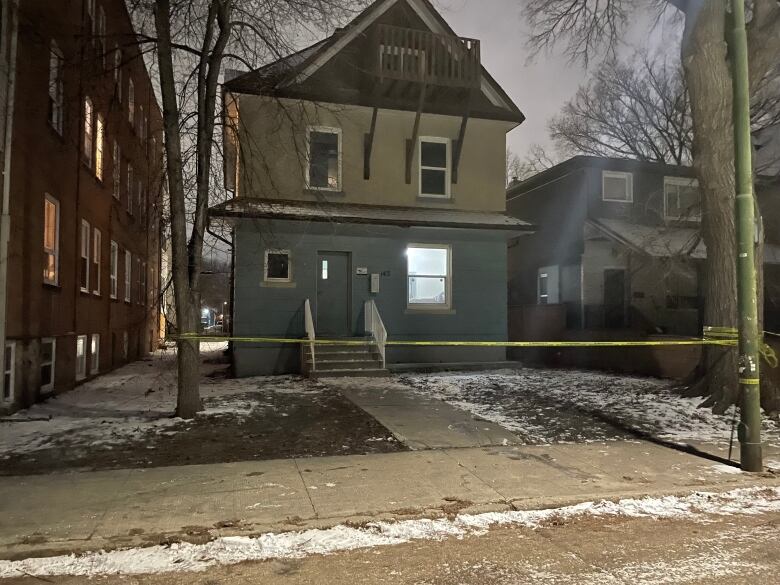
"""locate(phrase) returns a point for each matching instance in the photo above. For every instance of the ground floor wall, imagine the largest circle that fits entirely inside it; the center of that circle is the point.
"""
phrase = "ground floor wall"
(476, 308)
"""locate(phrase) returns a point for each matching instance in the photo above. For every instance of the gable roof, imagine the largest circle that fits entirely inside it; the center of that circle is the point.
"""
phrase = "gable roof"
(296, 68)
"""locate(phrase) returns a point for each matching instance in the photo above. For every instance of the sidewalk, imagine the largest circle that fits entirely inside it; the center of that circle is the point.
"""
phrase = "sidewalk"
(73, 512)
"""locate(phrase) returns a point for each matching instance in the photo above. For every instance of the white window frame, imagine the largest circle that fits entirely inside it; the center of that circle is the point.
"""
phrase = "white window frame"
(94, 354)
(89, 131)
(618, 175)
(86, 244)
(116, 171)
(539, 295)
(97, 243)
(81, 360)
(114, 270)
(266, 278)
(447, 280)
(100, 138)
(10, 370)
(681, 182)
(56, 93)
(56, 250)
(325, 130)
(50, 386)
(447, 169)
(128, 276)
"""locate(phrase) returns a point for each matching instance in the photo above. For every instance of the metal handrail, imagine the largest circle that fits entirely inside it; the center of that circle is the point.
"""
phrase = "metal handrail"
(309, 322)
(375, 326)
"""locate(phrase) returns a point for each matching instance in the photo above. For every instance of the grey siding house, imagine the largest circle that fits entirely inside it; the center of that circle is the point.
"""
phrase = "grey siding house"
(369, 200)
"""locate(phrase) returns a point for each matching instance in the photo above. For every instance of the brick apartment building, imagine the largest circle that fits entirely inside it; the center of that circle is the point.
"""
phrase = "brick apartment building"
(85, 179)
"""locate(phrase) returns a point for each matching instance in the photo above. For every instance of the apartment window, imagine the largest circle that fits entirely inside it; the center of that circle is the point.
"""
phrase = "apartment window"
(142, 274)
(324, 170)
(681, 199)
(55, 87)
(114, 268)
(434, 167)
(10, 368)
(94, 354)
(116, 170)
(130, 188)
(131, 102)
(81, 357)
(100, 135)
(89, 130)
(277, 266)
(128, 275)
(544, 288)
(96, 257)
(142, 202)
(85, 243)
(617, 186)
(428, 273)
(51, 240)
(48, 359)
(118, 73)
(138, 280)
(101, 37)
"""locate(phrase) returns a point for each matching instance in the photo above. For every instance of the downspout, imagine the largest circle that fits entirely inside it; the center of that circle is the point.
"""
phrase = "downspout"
(5, 219)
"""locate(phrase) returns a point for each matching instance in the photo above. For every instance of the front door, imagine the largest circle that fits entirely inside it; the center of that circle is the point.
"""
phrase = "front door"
(614, 298)
(333, 292)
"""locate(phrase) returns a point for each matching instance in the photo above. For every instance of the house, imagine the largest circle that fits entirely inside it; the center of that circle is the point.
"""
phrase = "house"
(368, 180)
(82, 178)
(617, 247)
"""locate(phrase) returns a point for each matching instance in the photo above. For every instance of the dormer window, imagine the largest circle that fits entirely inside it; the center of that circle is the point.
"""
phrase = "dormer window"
(435, 167)
(616, 186)
(324, 168)
(681, 199)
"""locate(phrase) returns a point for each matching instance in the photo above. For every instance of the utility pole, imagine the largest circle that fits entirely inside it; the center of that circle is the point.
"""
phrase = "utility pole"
(747, 298)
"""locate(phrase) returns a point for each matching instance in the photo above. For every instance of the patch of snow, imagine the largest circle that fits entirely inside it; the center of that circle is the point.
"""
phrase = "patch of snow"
(185, 557)
(723, 468)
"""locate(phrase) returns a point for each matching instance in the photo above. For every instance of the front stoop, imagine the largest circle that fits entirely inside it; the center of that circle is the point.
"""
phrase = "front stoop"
(347, 360)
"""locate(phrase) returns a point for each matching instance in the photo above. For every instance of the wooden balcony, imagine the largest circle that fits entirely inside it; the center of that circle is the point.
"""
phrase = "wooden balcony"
(418, 56)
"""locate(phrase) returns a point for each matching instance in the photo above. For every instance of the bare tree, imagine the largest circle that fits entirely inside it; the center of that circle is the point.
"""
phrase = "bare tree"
(535, 161)
(593, 27)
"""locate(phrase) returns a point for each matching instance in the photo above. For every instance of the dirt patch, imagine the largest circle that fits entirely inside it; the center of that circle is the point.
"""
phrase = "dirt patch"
(269, 425)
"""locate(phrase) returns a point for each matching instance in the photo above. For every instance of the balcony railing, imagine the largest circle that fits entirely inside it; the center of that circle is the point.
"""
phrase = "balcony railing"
(412, 55)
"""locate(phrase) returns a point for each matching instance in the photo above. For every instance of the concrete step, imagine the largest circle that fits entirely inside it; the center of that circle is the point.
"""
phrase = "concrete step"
(349, 373)
(330, 364)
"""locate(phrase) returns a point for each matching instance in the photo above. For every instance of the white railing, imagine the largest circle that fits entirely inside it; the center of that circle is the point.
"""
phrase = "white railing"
(376, 328)
(309, 320)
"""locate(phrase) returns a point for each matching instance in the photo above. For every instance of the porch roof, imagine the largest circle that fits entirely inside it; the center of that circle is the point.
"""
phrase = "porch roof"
(366, 214)
(664, 241)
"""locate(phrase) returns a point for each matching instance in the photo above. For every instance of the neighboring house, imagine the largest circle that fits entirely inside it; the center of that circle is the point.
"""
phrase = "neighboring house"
(617, 246)
(85, 164)
(368, 173)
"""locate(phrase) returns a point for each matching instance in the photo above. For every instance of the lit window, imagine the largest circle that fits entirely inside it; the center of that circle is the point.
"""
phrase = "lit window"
(81, 357)
(434, 167)
(100, 134)
(681, 199)
(89, 130)
(96, 256)
(84, 272)
(48, 358)
(114, 268)
(128, 275)
(324, 171)
(55, 87)
(94, 354)
(51, 240)
(131, 102)
(428, 273)
(324, 270)
(116, 170)
(544, 295)
(277, 266)
(10, 368)
(617, 186)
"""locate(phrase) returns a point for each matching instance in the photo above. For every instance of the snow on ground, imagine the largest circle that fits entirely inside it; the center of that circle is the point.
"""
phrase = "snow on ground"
(129, 402)
(181, 557)
(551, 406)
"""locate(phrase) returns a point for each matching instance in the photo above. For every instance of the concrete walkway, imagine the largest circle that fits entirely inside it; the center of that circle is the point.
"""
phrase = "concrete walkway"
(107, 509)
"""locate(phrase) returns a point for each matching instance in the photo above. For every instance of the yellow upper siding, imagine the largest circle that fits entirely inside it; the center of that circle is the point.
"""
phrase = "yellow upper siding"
(273, 155)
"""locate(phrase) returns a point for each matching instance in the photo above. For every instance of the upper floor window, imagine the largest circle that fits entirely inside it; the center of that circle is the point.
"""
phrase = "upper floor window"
(141, 123)
(116, 170)
(118, 73)
(96, 257)
(428, 273)
(617, 186)
(434, 167)
(681, 199)
(51, 240)
(84, 268)
(100, 37)
(131, 102)
(130, 188)
(128, 275)
(113, 270)
(324, 170)
(100, 138)
(89, 130)
(90, 17)
(55, 87)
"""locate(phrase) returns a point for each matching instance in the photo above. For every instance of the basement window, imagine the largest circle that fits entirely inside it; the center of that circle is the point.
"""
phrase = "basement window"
(277, 266)
(94, 354)
(48, 358)
(434, 167)
(81, 357)
(428, 275)
(324, 170)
